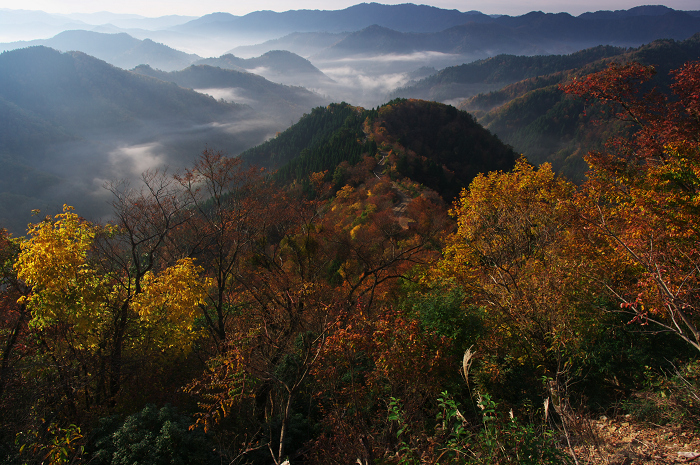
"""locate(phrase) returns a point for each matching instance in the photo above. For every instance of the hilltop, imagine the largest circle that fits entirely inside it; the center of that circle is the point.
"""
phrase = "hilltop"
(518, 97)
(428, 142)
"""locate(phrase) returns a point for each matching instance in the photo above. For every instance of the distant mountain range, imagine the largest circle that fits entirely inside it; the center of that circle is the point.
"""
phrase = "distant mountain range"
(277, 65)
(69, 122)
(532, 34)
(422, 28)
(405, 18)
(118, 49)
(28, 25)
(279, 102)
(425, 28)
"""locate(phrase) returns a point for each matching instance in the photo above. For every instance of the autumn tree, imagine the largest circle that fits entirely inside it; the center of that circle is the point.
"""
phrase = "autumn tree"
(275, 338)
(644, 190)
(14, 315)
(16, 345)
(517, 255)
(314, 263)
(103, 293)
(230, 206)
(369, 358)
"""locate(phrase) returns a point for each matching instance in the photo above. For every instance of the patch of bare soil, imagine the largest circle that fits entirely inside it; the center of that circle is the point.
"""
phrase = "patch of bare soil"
(623, 441)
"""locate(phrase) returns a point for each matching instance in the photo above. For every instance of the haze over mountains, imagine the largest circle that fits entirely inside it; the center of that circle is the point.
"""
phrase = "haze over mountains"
(115, 94)
(366, 50)
(71, 122)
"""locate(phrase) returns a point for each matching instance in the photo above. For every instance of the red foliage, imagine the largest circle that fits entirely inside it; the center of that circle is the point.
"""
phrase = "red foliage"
(645, 190)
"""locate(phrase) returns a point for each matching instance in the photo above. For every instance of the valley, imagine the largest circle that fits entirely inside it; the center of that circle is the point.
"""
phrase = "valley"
(378, 234)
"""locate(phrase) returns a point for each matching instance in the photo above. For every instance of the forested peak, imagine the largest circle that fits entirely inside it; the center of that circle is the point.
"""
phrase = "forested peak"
(410, 109)
(428, 142)
(29, 54)
(436, 144)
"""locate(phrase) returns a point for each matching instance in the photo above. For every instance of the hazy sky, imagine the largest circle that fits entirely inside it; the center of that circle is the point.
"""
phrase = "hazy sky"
(202, 7)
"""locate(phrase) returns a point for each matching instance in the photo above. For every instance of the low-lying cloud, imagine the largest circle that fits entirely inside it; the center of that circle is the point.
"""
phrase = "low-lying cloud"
(229, 94)
(421, 57)
(348, 76)
(133, 160)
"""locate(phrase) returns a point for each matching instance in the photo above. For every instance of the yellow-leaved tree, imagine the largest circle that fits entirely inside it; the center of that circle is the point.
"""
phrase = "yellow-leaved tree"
(95, 314)
(65, 289)
(519, 256)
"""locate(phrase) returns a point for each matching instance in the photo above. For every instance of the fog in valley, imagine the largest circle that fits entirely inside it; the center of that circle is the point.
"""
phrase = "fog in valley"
(152, 93)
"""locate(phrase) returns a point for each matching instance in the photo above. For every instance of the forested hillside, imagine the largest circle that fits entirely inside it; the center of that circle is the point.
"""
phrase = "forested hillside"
(339, 312)
(538, 119)
(276, 101)
(460, 82)
(277, 65)
(72, 122)
(431, 143)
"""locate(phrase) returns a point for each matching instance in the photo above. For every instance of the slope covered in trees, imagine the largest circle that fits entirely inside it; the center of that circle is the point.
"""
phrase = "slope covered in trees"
(71, 121)
(539, 120)
(429, 142)
(280, 66)
(279, 102)
(463, 81)
(347, 315)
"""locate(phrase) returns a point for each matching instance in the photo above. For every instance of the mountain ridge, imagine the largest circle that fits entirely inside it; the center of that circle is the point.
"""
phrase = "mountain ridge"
(428, 142)
(78, 121)
(118, 49)
(278, 101)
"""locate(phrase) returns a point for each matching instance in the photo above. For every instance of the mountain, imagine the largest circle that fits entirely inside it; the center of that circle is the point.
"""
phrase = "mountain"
(70, 122)
(470, 35)
(408, 28)
(539, 120)
(128, 21)
(279, 102)
(117, 49)
(535, 33)
(456, 83)
(277, 65)
(428, 142)
(406, 17)
(301, 43)
(645, 10)
(28, 24)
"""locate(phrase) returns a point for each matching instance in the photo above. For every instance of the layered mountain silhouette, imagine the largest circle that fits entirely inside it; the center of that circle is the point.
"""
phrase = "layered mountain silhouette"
(277, 65)
(279, 102)
(535, 33)
(424, 28)
(405, 17)
(117, 49)
(70, 122)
